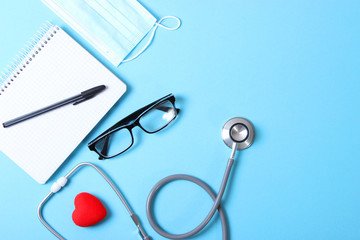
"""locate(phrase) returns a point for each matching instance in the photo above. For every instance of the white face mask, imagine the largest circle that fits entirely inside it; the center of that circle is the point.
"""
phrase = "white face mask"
(113, 27)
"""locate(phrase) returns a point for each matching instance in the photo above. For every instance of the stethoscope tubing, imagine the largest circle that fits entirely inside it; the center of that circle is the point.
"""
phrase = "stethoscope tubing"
(116, 190)
(216, 206)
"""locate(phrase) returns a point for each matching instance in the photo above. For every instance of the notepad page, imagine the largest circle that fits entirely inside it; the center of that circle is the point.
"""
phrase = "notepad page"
(61, 69)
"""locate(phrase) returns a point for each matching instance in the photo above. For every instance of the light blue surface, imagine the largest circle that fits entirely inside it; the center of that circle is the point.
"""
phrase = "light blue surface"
(292, 68)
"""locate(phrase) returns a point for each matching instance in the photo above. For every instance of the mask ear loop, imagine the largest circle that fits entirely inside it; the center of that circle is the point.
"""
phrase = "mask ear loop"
(157, 24)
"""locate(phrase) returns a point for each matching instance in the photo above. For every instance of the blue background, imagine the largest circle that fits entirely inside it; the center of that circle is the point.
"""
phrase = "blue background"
(291, 67)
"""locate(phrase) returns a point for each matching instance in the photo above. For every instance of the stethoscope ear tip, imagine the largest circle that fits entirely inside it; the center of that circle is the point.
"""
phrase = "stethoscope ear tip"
(240, 131)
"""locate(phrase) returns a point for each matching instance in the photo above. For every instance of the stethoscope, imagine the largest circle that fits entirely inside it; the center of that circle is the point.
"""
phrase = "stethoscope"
(237, 133)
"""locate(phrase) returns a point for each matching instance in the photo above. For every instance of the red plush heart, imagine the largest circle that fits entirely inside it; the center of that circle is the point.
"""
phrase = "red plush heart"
(88, 210)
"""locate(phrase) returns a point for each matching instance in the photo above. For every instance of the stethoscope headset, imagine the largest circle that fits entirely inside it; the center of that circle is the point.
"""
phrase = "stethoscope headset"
(238, 134)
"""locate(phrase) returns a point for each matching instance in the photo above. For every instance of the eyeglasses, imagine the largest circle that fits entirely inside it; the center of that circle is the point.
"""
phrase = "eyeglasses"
(151, 118)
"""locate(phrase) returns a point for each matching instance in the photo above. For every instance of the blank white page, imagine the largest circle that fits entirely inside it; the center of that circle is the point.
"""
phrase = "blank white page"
(61, 69)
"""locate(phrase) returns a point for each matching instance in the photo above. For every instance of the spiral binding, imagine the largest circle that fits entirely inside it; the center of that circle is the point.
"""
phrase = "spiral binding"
(26, 55)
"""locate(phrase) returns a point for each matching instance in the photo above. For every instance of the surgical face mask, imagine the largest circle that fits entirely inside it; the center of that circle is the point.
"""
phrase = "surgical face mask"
(113, 27)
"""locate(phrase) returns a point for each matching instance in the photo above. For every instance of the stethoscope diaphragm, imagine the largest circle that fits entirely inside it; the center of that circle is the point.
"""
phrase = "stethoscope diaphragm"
(240, 131)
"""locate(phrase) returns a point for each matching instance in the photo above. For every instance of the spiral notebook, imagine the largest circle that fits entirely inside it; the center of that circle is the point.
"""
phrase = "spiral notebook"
(54, 67)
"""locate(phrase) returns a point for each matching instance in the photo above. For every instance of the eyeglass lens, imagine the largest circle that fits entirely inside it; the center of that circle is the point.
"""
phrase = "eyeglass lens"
(114, 143)
(158, 117)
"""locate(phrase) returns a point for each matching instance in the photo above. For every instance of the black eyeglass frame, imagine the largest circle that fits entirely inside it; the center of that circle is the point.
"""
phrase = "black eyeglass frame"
(131, 121)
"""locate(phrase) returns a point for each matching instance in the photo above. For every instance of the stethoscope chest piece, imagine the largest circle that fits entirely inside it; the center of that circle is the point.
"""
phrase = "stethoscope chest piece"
(238, 130)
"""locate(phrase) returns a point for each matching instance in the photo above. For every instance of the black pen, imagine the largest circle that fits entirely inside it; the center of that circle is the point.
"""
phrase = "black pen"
(83, 96)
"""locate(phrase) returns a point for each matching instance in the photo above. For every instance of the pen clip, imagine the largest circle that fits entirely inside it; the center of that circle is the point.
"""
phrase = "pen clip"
(90, 94)
(82, 100)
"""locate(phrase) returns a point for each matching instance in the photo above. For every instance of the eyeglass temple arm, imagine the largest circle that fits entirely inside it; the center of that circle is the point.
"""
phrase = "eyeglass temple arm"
(165, 109)
(105, 148)
(134, 115)
(137, 113)
(128, 119)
